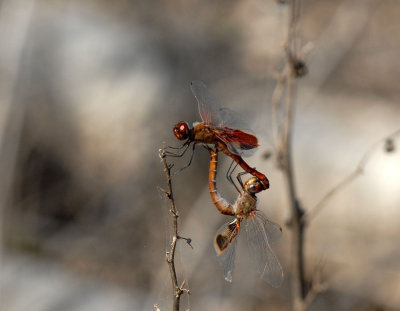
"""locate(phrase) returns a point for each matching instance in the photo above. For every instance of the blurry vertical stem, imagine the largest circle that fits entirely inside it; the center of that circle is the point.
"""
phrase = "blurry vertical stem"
(170, 255)
(296, 223)
(18, 17)
(296, 211)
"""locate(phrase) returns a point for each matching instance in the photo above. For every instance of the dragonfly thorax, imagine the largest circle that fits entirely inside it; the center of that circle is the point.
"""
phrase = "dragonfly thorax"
(205, 134)
(245, 204)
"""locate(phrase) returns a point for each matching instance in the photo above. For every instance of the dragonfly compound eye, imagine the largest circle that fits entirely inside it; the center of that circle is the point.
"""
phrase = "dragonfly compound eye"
(181, 130)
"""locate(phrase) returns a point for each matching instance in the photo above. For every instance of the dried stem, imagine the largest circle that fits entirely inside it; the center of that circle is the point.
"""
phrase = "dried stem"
(296, 223)
(170, 255)
(287, 82)
(350, 178)
(286, 88)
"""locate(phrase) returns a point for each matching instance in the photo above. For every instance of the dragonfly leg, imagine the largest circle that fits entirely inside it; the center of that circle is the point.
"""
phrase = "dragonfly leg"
(190, 161)
(239, 178)
(229, 175)
(178, 154)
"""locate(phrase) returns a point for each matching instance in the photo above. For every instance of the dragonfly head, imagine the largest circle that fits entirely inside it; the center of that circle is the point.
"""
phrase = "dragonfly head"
(253, 185)
(182, 131)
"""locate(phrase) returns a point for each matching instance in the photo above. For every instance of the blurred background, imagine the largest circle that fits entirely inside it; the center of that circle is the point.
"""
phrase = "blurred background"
(89, 92)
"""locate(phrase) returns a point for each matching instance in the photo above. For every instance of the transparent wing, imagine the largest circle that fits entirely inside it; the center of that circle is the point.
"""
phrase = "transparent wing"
(232, 119)
(225, 242)
(273, 230)
(209, 107)
(265, 261)
(234, 131)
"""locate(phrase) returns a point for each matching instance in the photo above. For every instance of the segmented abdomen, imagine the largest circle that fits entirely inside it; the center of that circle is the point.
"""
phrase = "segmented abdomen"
(222, 205)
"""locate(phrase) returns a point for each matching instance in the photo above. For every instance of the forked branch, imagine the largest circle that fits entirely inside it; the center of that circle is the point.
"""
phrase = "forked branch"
(364, 160)
(283, 105)
(285, 95)
(178, 290)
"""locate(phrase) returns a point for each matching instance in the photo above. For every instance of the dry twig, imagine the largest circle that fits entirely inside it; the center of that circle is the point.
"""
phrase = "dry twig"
(351, 177)
(286, 88)
(170, 255)
(286, 84)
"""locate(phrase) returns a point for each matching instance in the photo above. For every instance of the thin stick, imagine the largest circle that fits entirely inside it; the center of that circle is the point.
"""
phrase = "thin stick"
(170, 255)
(350, 178)
(296, 223)
(286, 84)
(297, 226)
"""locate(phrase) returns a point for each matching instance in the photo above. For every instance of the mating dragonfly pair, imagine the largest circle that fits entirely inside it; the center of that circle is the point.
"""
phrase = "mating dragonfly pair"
(223, 130)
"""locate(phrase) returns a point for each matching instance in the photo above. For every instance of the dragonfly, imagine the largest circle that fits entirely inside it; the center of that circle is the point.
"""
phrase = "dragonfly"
(221, 127)
(260, 230)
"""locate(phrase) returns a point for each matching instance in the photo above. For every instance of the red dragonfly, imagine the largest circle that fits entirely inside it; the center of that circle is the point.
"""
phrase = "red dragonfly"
(220, 127)
(260, 230)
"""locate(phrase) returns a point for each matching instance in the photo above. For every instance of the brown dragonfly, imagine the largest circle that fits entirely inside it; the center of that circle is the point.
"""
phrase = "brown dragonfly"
(260, 230)
(221, 127)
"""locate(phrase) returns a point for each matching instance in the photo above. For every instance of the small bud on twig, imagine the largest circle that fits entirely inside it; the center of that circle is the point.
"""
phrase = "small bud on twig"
(389, 145)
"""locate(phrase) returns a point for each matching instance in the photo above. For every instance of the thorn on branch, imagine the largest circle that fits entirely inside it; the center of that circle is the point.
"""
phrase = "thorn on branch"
(389, 145)
(170, 254)
(161, 153)
(163, 190)
(282, 2)
(300, 68)
(183, 289)
(188, 241)
(267, 154)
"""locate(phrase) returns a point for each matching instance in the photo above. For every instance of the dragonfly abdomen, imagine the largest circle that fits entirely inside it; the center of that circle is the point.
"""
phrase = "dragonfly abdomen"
(222, 205)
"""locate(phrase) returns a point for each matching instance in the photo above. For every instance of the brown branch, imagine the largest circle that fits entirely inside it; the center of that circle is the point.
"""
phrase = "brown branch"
(294, 68)
(296, 224)
(350, 178)
(287, 82)
(170, 255)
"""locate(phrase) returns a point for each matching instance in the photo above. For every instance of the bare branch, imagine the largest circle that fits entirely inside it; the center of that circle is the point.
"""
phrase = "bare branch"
(283, 105)
(286, 84)
(170, 255)
(350, 178)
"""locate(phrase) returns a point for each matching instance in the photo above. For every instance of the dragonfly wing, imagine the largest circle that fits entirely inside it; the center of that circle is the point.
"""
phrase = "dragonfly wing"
(208, 103)
(238, 142)
(273, 230)
(267, 264)
(232, 119)
(225, 243)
